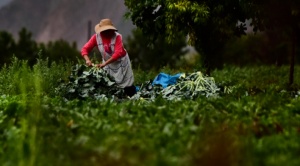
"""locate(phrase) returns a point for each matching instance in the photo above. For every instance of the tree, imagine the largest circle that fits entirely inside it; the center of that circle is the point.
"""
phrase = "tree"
(280, 16)
(60, 51)
(158, 55)
(208, 23)
(265, 48)
(7, 46)
(26, 48)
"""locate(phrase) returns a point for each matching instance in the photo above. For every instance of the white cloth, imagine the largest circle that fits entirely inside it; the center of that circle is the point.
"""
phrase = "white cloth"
(121, 68)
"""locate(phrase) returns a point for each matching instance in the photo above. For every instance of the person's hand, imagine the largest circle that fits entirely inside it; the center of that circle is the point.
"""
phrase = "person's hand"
(88, 63)
(101, 65)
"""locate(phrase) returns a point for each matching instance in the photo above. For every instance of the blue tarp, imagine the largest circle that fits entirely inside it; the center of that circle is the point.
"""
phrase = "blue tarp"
(165, 80)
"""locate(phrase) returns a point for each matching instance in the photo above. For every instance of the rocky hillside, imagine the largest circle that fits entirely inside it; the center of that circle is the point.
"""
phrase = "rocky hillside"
(4, 2)
(62, 19)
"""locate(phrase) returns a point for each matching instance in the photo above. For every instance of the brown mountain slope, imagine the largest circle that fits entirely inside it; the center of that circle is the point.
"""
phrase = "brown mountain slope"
(62, 19)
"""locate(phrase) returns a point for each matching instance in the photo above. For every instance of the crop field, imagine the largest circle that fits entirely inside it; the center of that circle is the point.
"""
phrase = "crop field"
(252, 119)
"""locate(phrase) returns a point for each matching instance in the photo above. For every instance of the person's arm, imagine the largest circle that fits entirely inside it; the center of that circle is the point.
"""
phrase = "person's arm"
(119, 48)
(87, 48)
(88, 62)
(110, 60)
(119, 52)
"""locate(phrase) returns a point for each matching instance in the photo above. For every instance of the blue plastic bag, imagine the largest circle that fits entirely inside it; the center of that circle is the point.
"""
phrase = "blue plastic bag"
(165, 80)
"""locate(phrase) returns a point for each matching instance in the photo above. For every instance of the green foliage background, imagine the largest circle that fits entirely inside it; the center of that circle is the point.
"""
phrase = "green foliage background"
(147, 55)
(254, 122)
(25, 48)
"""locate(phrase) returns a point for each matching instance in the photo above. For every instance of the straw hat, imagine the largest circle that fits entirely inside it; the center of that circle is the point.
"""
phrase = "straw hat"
(105, 24)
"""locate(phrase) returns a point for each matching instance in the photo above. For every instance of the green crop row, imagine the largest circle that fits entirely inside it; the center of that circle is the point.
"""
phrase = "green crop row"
(256, 121)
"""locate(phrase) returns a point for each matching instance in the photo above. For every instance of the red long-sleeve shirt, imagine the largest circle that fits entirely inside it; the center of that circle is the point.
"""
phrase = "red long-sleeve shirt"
(119, 48)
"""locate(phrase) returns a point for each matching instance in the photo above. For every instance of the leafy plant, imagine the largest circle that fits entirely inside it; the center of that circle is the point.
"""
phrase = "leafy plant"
(258, 129)
(89, 82)
(191, 86)
(188, 86)
(19, 78)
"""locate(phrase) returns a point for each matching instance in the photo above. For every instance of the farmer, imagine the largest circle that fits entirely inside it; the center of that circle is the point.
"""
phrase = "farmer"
(115, 59)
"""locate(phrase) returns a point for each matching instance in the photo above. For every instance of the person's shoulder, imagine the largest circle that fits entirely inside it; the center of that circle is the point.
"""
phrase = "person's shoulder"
(118, 36)
(92, 39)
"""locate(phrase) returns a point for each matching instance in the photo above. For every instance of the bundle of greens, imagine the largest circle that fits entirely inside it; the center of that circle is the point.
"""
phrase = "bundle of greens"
(93, 82)
(89, 82)
(191, 86)
(188, 86)
(148, 91)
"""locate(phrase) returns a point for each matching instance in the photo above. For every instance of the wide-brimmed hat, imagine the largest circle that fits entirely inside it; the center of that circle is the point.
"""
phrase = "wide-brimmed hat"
(105, 24)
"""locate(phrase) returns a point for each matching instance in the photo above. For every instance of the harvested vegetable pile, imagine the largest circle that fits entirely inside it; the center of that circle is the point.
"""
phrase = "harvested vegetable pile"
(89, 82)
(92, 82)
(188, 86)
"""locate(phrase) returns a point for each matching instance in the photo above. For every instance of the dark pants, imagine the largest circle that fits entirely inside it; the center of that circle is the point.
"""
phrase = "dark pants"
(130, 90)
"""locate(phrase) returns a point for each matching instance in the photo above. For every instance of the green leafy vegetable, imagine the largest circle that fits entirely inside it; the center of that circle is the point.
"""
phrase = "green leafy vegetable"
(89, 82)
(188, 86)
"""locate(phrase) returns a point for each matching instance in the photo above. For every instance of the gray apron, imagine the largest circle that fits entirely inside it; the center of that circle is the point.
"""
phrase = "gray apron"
(121, 68)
